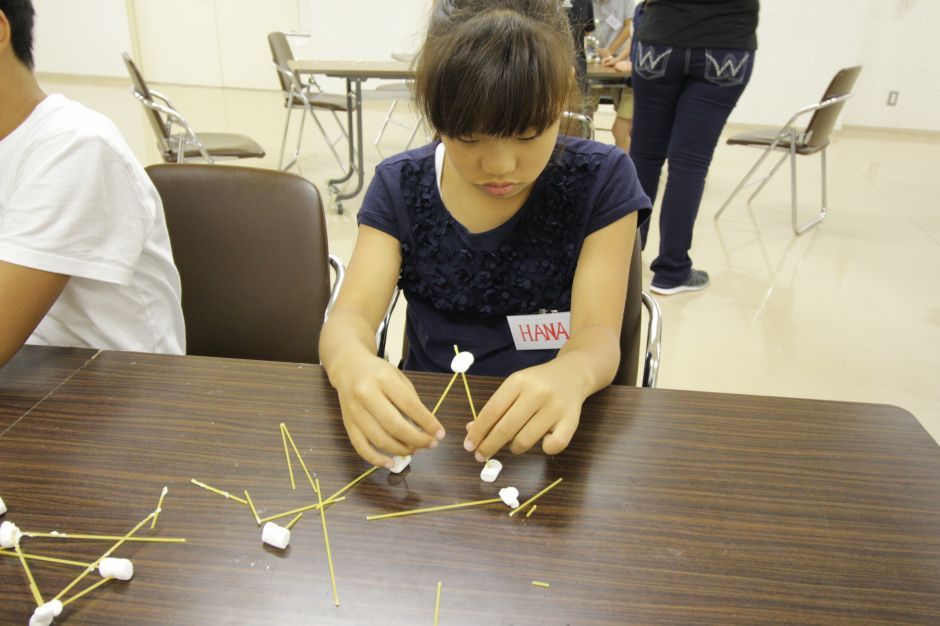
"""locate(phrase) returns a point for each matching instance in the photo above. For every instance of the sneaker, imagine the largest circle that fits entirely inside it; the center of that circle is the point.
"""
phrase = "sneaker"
(697, 280)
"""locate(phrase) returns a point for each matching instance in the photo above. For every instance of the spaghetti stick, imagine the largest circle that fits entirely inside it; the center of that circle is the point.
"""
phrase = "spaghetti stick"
(290, 467)
(444, 395)
(47, 559)
(532, 510)
(437, 603)
(432, 509)
(303, 465)
(303, 509)
(87, 589)
(159, 507)
(29, 575)
(58, 535)
(251, 505)
(467, 387)
(218, 491)
(539, 583)
(352, 484)
(107, 553)
(291, 523)
(535, 497)
(326, 540)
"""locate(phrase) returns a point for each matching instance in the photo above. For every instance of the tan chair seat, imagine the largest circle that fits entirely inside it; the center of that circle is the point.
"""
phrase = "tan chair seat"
(331, 102)
(766, 136)
(224, 145)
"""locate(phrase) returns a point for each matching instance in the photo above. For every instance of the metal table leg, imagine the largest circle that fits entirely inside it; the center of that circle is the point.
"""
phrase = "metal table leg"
(353, 101)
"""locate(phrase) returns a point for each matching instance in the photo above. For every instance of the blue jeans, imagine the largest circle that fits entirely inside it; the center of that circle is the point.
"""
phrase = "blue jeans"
(682, 98)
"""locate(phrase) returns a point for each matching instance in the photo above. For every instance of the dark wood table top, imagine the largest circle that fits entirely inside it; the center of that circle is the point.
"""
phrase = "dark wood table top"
(33, 373)
(676, 507)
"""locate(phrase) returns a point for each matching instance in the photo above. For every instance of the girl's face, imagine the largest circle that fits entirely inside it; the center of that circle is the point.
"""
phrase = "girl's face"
(501, 168)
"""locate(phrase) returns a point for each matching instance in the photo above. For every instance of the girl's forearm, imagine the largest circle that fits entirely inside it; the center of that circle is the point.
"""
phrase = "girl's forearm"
(592, 356)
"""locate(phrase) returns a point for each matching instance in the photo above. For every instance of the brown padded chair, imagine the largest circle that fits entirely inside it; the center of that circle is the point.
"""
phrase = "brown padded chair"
(251, 249)
(795, 141)
(636, 301)
(306, 96)
(163, 116)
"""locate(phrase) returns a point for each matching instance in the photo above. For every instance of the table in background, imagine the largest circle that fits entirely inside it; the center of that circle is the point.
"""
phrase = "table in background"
(357, 72)
(676, 507)
(32, 373)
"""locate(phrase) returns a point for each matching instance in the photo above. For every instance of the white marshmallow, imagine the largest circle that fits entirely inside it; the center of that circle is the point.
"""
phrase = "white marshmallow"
(276, 536)
(9, 535)
(122, 569)
(55, 605)
(510, 496)
(490, 471)
(3, 507)
(461, 362)
(42, 616)
(399, 463)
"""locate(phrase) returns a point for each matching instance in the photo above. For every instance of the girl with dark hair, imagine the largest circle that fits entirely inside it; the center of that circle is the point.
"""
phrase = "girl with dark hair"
(497, 218)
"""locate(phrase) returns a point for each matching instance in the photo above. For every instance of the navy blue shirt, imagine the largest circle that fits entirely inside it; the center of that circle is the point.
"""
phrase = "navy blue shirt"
(460, 286)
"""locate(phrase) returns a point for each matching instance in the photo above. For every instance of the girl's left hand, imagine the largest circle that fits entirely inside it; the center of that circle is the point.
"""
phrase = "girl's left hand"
(541, 401)
(623, 66)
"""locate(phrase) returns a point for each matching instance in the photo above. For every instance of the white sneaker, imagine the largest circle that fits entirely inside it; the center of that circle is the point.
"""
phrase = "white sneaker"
(697, 280)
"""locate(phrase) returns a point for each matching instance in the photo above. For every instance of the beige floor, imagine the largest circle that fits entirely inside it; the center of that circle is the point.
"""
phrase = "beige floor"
(848, 311)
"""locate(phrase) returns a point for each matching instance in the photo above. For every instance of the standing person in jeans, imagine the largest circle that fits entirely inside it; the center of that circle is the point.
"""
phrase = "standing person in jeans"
(691, 62)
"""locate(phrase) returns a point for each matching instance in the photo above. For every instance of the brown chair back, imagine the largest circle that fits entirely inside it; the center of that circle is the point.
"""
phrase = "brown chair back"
(251, 249)
(281, 54)
(632, 326)
(824, 120)
(156, 120)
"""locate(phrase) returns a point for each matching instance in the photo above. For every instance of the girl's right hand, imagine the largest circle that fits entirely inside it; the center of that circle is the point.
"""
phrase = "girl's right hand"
(377, 401)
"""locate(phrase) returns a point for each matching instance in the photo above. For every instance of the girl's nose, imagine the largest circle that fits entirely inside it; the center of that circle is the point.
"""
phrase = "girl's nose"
(498, 160)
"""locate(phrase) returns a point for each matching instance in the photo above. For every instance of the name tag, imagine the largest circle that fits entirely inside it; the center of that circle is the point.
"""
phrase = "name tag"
(545, 331)
(614, 22)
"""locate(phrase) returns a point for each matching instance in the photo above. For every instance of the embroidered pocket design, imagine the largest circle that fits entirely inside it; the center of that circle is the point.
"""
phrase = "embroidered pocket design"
(731, 70)
(651, 63)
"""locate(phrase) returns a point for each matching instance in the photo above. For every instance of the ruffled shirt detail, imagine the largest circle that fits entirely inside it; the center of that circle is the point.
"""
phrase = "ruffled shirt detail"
(533, 268)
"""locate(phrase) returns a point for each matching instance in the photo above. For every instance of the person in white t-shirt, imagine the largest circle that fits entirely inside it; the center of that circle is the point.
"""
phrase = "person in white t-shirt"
(85, 256)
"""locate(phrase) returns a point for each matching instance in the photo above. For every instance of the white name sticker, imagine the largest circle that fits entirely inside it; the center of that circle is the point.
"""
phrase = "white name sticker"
(545, 331)
(614, 22)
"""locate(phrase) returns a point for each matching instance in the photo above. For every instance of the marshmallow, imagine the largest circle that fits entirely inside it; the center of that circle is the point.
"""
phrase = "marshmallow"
(122, 569)
(461, 363)
(490, 471)
(399, 463)
(276, 536)
(43, 615)
(9, 535)
(510, 496)
(3, 507)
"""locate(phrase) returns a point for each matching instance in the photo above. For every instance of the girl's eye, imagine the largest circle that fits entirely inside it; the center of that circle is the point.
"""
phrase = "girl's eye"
(530, 138)
(466, 139)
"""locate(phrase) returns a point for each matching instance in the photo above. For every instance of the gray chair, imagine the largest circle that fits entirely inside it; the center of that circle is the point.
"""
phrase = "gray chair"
(252, 253)
(794, 141)
(176, 139)
(306, 97)
(630, 331)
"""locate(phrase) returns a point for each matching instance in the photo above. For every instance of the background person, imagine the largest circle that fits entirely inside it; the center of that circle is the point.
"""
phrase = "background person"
(692, 60)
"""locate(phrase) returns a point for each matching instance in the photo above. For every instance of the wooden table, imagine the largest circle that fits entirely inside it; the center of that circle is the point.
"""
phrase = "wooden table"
(357, 72)
(31, 374)
(676, 507)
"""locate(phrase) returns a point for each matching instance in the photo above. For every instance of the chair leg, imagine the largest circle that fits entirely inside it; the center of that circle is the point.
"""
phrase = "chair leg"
(763, 181)
(745, 182)
(329, 142)
(414, 131)
(799, 230)
(280, 160)
(388, 117)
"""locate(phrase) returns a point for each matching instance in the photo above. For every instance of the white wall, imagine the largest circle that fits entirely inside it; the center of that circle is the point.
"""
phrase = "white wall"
(802, 43)
(222, 43)
(82, 36)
